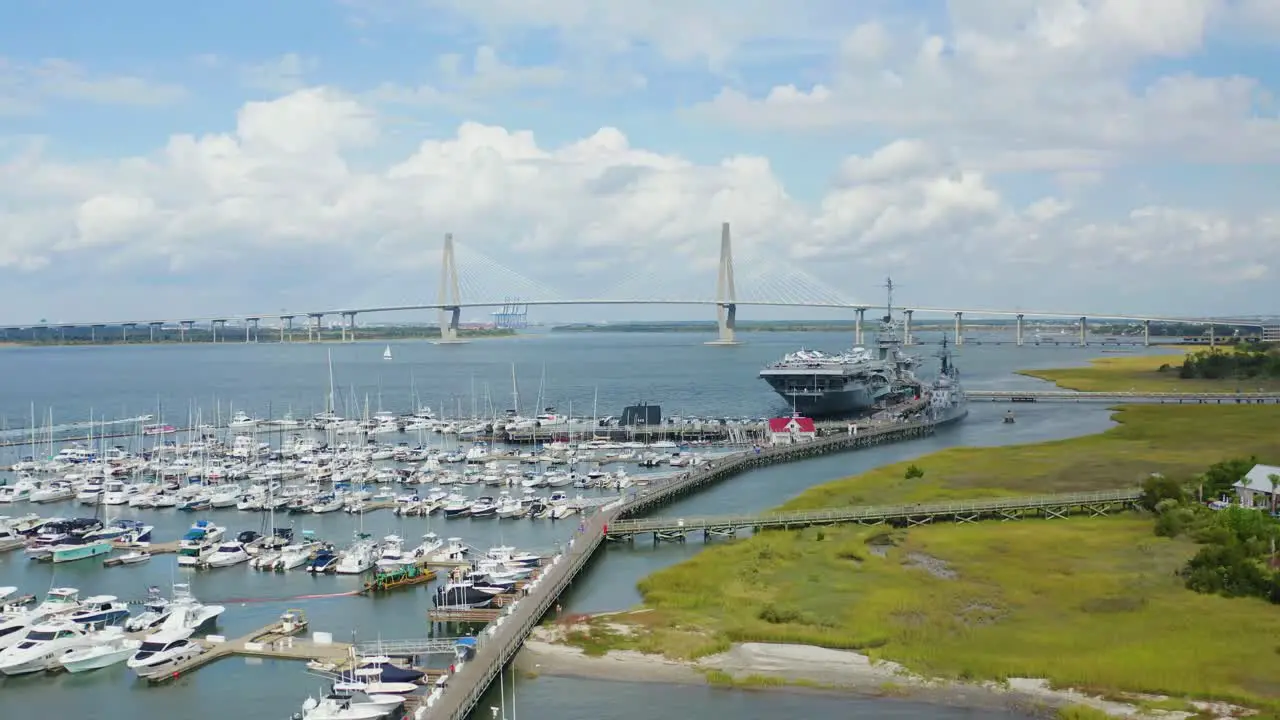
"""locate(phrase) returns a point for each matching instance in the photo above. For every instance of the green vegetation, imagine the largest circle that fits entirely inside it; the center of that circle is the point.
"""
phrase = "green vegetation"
(1177, 441)
(1096, 603)
(1236, 542)
(1081, 712)
(1151, 373)
(1249, 364)
(142, 335)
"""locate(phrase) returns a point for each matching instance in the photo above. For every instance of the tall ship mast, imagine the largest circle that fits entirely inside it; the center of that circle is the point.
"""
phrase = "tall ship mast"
(820, 384)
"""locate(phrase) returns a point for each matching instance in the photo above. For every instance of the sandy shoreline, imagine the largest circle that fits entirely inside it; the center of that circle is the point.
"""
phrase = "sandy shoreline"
(814, 668)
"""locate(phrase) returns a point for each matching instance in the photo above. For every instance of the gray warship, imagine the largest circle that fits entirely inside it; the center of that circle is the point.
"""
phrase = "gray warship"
(819, 384)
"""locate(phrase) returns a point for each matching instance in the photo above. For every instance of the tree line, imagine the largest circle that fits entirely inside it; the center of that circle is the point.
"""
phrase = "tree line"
(1238, 363)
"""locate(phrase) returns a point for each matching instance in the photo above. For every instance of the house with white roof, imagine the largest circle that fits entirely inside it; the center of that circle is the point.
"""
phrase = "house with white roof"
(1255, 488)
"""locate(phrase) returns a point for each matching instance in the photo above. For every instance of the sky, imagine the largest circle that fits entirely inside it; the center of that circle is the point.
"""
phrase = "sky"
(167, 160)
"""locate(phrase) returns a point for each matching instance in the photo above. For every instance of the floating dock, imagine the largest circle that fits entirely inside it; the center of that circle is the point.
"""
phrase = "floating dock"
(269, 642)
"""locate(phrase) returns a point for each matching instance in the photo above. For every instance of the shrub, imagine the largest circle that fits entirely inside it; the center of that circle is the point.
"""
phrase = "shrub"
(913, 472)
(1157, 488)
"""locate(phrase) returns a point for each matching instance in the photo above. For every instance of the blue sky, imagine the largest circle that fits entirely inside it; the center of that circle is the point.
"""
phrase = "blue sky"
(997, 153)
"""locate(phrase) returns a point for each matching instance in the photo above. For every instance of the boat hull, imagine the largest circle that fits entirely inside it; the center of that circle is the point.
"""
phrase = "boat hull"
(80, 552)
(99, 661)
(851, 400)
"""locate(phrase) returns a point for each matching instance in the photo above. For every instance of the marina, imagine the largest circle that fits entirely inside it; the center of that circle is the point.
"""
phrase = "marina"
(337, 492)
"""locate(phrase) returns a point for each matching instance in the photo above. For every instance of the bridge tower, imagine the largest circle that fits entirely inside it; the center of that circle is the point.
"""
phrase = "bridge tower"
(726, 293)
(450, 297)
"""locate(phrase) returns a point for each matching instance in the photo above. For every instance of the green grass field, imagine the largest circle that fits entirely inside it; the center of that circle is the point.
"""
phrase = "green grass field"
(1084, 602)
(1177, 440)
(1141, 373)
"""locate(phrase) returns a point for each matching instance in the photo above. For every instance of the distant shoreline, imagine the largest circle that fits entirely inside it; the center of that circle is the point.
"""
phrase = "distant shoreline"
(266, 337)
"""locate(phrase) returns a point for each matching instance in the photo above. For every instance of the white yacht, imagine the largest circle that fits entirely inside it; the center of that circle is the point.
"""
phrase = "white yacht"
(453, 551)
(342, 708)
(188, 613)
(431, 544)
(154, 611)
(227, 554)
(392, 557)
(296, 555)
(195, 553)
(162, 650)
(510, 507)
(108, 649)
(359, 558)
(117, 492)
(242, 419)
(43, 646)
(58, 602)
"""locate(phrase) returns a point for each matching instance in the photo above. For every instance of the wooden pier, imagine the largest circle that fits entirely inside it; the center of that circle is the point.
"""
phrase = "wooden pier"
(514, 623)
(268, 642)
(1209, 398)
(1016, 508)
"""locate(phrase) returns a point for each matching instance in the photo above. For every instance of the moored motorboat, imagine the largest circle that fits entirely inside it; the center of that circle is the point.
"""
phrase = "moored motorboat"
(42, 645)
(106, 651)
(162, 650)
(100, 611)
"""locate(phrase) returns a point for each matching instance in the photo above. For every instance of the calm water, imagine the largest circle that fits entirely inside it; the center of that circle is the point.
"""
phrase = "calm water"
(674, 370)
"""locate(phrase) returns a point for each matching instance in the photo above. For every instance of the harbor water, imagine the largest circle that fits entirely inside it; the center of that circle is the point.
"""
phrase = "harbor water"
(595, 372)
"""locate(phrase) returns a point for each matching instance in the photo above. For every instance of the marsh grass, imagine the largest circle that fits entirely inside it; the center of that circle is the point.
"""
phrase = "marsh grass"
(1141, 373)
(1084, 602)
(1176, 440)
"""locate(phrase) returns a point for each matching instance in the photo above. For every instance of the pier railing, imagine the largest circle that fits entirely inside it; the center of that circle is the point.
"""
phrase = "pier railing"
(876, 513)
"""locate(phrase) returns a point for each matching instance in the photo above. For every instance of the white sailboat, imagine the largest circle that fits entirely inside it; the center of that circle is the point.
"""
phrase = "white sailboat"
(386, 354)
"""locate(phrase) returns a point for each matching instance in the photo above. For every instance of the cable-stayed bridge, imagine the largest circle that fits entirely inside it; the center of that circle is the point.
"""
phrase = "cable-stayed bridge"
(472, 279)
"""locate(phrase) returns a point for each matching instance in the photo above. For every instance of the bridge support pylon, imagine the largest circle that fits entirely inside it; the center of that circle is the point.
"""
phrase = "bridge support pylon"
(906, 327)
(286, 326)
(959, 328)
(1017, 329)
(313, 328)
(1084, 331)
(726, 293)
(213, 327)
(348, 327)
(450, 297)
(186, 326)
(859, 317)
(1146, 333)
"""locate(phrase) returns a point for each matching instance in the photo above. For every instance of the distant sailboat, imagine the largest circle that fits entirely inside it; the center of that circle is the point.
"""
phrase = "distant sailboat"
(386, 354)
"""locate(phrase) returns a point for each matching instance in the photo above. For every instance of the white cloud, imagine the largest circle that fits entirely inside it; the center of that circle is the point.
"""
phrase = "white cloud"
(280, 208)
(1042, 84)
(26, 87)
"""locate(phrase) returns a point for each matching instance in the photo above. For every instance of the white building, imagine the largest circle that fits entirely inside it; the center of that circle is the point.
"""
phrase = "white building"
(1255, 488)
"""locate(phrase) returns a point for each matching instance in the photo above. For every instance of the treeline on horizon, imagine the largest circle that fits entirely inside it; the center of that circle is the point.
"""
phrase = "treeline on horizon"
(1238, 363)
(142, 335)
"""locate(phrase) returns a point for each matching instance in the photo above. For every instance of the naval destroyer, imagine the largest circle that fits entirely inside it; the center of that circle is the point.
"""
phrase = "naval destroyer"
(819, 384)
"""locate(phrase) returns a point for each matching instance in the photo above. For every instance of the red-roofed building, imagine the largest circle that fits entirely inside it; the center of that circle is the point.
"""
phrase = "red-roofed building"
(784, 431)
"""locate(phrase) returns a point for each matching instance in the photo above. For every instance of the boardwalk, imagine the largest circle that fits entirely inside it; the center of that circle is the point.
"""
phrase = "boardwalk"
(1015, 508)
(513, 624)
(1029, 396)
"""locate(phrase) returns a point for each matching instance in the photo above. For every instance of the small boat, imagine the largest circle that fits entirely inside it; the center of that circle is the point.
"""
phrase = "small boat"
(386, 354)
(1008, 418)
(154, 612)
(109, 650)
(136, 557)
(325, 561)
